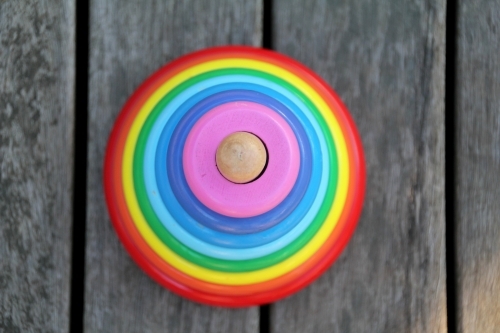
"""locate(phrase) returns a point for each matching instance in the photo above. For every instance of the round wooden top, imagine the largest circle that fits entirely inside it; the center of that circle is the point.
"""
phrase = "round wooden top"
(241, 157)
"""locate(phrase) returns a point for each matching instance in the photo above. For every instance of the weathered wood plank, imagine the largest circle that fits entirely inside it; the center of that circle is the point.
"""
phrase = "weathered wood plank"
(128, 42)
(478, 166)
(36, 163)
(386, 61)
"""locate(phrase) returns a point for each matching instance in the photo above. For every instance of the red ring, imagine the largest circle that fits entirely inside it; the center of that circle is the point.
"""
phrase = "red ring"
(333, 246)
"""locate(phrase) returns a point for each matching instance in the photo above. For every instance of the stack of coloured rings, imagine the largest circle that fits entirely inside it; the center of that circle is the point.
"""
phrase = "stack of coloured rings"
(203, 236)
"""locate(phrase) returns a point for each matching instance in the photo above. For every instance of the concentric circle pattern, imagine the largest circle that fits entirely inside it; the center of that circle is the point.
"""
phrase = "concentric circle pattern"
(218, 242)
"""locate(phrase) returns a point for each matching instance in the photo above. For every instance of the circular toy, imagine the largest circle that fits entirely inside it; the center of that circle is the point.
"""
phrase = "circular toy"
(234, 176)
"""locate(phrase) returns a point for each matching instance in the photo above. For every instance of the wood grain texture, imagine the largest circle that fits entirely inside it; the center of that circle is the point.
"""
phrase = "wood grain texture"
(128, 42)
(386, 61)
(36, 164)
(478, 166)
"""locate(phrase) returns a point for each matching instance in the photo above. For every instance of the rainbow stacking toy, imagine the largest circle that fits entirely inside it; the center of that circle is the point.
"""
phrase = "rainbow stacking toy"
(210, 239)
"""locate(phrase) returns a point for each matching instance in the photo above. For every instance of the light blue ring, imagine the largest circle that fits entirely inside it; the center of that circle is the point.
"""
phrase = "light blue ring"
(173, 226)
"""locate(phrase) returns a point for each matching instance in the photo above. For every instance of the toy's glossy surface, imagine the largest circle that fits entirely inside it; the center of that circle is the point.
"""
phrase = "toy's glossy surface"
(209, 239)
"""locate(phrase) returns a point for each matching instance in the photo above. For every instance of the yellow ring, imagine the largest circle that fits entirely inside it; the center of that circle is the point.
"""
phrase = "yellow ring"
(267, 273)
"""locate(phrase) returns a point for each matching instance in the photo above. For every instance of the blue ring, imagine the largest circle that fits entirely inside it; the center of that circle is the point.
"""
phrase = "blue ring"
(205, 215)
(172, 224)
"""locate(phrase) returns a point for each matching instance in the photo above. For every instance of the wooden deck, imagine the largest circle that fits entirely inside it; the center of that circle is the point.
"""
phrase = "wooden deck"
(421, 79)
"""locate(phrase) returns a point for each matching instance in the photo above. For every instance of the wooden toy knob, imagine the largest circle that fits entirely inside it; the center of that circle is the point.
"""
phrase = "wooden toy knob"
(241, 157)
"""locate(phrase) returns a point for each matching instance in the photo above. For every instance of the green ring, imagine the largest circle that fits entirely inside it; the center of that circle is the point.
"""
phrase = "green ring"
(209, 262)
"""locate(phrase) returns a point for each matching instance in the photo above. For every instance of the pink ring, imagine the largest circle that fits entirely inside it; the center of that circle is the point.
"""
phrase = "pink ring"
(241, 200)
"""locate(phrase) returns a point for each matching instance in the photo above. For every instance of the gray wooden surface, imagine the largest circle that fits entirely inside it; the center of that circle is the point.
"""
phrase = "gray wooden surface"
(478, 166)
(386, 60)
(36, 150)
(128, 42)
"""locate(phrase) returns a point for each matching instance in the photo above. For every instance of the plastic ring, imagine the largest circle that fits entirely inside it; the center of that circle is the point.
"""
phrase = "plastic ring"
(222, 253)
(343, 218)
(253, 231)
(247, 277)
(241, 200)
